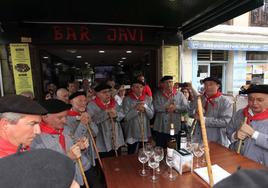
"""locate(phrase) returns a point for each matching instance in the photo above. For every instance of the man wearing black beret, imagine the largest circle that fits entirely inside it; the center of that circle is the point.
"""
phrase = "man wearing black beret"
(218, 111)
(19, 123)
(79, 121)
(40, 168)
(58, 137)
(253, 131)
(103, 110)
(168, 105)
(138, 110)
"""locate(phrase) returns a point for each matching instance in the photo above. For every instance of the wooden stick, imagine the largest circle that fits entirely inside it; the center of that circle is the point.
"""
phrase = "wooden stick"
(82, 172)
(141, 124)
(113, 136)
(205, 140)
(241, 141)
(193, 127)
(95, 146)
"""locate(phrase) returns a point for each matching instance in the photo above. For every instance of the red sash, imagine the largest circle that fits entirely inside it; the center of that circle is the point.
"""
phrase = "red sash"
(45, 128)
(135, 97)
(103, 106)
(71, 112)
(169, 95)
(260, 116)
(211, 99)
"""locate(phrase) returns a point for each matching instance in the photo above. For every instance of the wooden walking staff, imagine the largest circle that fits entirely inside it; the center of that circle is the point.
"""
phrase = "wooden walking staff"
(241, 141)
(94, 146)
(82, 172)
(141, 124)
(205, 140)
(113, 136)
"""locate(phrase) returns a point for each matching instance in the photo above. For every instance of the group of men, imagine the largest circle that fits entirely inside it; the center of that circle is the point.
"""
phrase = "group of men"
(71, 129)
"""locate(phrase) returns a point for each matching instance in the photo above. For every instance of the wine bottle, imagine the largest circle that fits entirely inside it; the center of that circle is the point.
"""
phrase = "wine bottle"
(172, 142)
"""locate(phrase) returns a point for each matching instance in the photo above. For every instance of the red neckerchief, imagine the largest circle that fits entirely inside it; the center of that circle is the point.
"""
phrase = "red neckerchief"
(260, 116)
(135, 97)
(147, 91)
(211, 99)
(169, 95)
(45, 128)
(103, 106)
(6, 148)
(71, 112)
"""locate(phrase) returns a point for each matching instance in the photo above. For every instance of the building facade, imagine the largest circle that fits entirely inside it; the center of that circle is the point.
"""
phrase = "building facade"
(236, 52)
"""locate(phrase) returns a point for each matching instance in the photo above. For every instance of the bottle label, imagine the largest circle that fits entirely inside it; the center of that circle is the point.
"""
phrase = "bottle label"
(172, 132)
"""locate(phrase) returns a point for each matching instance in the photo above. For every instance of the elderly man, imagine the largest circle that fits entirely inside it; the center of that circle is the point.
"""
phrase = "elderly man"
(58, 137)
(19, 123)
(146, 89)
(63, 95)
(138, 110)
(218, 111)
(253, 132)
(103, 110)
(168, 105)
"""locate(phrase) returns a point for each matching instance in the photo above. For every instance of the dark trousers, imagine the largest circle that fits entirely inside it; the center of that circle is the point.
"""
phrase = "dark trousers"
(110, 153)
(161, 139)
(94, 178)
(132, 148)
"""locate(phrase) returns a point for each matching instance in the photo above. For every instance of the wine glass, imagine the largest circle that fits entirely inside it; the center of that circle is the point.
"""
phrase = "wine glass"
(148, 149)
(159, 156)
(198, 152)
(143, 158)
(170, 163)
(153, 163)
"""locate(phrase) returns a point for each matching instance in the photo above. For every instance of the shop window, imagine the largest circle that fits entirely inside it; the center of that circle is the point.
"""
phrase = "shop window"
(257, 67)
(259, 16)
(212, 55)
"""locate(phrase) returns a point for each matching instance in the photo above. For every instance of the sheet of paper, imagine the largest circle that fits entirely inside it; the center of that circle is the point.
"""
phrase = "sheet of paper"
(218, 173)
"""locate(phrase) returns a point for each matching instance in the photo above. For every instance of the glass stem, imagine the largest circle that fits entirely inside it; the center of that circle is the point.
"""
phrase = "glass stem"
(153, 174)
(143, 170)
(171, 175)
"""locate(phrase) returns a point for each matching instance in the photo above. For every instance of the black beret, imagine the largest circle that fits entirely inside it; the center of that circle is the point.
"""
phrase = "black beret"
(256, 89)
(212, 79)
(76, 94)
(102, 86)
(245, 178)
(137, 82)
(40, 168)
(55, 106)
(20, 104)
(166, 78)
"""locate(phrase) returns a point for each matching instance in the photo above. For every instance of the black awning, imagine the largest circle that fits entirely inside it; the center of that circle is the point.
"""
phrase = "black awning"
(190, 16)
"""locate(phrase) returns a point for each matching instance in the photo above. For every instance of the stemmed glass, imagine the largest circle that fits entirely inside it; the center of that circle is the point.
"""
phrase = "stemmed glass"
(149, 150)
(198, 152)
(159, 156)
(143, 158)
(153, 163)
(170, 163)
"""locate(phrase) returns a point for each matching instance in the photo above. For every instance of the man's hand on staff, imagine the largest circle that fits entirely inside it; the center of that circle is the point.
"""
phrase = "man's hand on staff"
(74, 152)
(112, 113)
(244, 132)
(83, 143)
(171, 108)
(85, 118)
(140, 107)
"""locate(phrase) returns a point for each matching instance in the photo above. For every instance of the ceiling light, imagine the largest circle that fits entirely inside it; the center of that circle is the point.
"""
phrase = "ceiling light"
(45, 57)
(121, 61)
(72, 51)
(86, 63)
(101, 51)
(73, 67)
(128, 51)
(123, 58)
(58, 64)
(118, 63)
(79, 56)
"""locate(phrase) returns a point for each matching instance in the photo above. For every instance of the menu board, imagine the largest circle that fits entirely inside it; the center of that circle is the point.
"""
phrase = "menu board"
(21, 64)
(170, 61)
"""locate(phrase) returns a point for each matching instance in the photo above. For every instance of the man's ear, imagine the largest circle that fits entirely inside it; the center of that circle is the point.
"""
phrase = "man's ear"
(3, 123)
